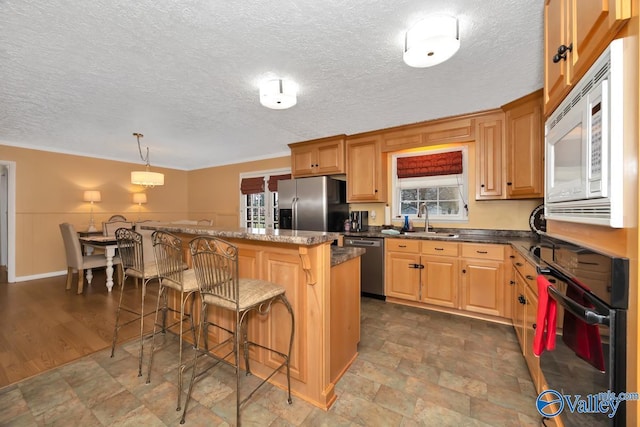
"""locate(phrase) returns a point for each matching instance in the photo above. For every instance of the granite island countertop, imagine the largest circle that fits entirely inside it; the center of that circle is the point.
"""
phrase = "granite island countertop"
(300, 237)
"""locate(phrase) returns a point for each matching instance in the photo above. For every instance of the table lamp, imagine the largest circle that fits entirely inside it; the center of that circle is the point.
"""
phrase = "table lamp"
(91, 196)
(139, 198)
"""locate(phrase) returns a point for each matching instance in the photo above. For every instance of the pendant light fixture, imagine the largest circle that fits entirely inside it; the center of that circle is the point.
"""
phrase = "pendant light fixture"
(278, 94)
(146, 178)
(431, 41)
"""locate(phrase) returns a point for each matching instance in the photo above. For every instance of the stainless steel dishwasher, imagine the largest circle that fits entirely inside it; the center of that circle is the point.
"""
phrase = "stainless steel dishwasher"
(371, 264)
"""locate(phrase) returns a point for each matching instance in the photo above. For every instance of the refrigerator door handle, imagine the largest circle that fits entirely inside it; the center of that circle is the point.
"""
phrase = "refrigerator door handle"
(294, 212)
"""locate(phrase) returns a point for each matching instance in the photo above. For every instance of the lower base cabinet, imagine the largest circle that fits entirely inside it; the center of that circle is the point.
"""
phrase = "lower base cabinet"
(460, 276)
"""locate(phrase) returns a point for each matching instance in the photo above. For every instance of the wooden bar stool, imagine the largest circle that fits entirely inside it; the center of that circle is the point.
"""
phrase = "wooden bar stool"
(215, 262)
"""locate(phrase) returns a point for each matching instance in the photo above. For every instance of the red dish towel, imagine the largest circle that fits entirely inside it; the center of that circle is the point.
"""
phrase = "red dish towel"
(582, 338)
(545, 336)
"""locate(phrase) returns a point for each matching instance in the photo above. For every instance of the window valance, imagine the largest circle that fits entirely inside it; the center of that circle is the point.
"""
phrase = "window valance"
(430, 165)
(273, 181)
(252, 185)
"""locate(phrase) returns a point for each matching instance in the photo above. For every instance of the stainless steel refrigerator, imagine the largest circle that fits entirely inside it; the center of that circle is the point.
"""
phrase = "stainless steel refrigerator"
(315, 204)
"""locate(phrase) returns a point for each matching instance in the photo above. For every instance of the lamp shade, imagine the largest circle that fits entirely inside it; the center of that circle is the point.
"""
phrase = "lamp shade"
(91, 196)
(278, 94)
(147, 178)
(431, 41)
(139, 198)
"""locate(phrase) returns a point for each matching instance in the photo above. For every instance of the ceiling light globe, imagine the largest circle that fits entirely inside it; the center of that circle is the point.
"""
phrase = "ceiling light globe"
(431, 41)
(278, 94)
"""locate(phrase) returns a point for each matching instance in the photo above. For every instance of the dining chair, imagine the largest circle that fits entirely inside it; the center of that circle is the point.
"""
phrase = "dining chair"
(173, 274)
(134, 265)
(76, 261)
(117, 218)
(109, 228)
(215, 262)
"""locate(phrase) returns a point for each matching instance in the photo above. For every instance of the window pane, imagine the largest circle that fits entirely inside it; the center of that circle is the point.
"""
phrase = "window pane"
(450, 208)
(411, 194)
(408, 208)
(448, 193)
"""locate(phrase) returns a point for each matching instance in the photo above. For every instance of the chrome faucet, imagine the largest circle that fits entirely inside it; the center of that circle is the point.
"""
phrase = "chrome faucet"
(421, 208)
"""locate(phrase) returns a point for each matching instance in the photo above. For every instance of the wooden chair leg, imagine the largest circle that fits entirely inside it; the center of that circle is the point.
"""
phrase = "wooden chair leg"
(69, 277)
(80, 280)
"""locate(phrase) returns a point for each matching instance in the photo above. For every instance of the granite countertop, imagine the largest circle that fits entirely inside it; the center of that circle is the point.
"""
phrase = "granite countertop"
(303, 238)
(342, 254)
(457, 235)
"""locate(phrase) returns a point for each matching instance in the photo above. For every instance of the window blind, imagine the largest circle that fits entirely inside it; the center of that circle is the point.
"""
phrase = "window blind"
(252, 185)
(273, 181)
(430, 165)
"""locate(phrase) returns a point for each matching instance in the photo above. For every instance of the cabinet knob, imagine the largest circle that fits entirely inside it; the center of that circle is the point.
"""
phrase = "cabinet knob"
(511, 282)
(481, 185)
(521, 299)
(464, 271)
(534, 326)
(530, 277)
(562, 53)
(509, 183)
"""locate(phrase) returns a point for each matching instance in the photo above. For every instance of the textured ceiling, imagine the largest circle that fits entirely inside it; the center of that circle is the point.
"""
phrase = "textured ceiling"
(81, 76)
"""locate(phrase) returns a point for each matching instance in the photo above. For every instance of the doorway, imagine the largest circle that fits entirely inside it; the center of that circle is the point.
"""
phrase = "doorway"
(7, 221)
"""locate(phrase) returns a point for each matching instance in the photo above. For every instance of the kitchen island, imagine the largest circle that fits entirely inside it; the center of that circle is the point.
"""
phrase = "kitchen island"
(322, 284)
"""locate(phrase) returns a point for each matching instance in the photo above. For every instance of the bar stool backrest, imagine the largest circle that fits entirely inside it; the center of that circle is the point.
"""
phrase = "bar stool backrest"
(167, 250)
(215, 262)
(130, 250)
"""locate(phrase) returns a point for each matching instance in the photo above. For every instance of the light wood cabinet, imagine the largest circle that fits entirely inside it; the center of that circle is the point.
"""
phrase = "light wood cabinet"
(489, 157)
(525, 147)
(323, 156)
(482, 279)
(575, 33)
(422, 271)
(530, 315)
(465, 276)
(366, 170)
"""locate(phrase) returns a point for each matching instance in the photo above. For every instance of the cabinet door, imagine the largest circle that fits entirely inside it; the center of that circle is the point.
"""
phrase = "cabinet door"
(303, 160)
(402, 278)
(482, 287)
(330, 158)
(489, 170)
(365, 170)
(595, 24)
(531, 312)
(440, 281)
(518, 308)
(556, 34)
(525, 144)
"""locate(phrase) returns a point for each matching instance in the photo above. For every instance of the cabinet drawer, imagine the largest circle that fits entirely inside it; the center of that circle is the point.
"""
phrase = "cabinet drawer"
(481, 251)
(431, 247)
(403, 245)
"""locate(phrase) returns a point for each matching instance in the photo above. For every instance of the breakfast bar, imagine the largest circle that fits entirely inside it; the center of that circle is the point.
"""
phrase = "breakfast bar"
(322, 284)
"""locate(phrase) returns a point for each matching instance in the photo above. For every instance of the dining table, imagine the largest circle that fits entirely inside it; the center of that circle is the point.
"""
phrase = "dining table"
(109, 244)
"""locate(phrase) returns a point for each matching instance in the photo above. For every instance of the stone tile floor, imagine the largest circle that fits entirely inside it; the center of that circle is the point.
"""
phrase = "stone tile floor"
(415, 367)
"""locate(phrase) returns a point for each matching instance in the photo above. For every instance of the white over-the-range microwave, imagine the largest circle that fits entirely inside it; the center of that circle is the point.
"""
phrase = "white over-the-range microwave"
(584, 150)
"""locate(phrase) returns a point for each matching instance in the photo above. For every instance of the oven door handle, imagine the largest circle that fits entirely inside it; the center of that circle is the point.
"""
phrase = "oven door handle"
(586, 314)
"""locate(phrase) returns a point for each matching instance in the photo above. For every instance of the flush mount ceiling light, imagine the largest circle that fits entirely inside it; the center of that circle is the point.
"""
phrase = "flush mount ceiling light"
(431, 41)
(146, 177)
(278, 94)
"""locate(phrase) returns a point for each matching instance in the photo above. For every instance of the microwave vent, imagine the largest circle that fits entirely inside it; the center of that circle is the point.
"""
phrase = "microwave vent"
(596, 212)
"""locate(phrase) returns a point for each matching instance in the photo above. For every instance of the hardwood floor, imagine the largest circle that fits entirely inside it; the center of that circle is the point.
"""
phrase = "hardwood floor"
(43, 326)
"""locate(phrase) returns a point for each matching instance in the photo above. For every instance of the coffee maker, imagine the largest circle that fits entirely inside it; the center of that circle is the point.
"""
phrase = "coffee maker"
(359, 221)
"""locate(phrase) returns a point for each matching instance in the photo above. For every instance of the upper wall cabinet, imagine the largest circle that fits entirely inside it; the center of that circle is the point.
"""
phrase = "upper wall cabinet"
(434, 132)
(366, 169)
(510, 150)
(323, 156)
(575, 33)
(524, 147)
(490, 176)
